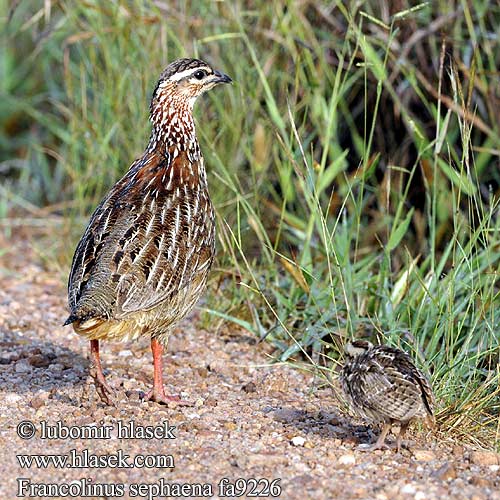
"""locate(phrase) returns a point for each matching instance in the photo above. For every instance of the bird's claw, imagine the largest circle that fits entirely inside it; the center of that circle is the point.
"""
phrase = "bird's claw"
(106, 394)
(161, 398)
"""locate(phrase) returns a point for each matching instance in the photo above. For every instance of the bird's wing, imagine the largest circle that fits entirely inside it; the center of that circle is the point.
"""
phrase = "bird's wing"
(390, 395)
(408, 373)
(144, 243)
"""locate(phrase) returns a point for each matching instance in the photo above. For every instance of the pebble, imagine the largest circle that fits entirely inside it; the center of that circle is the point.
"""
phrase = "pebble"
(250, 387)
(347, 459)
(39, 361)
(477, 497)
(298, 441)
(446, 472)
(22, 366)
(39, 400)
(12, 398)
(56, 367)
(408, 489)
(480, 481)
(483, 457)
(424, 455)
(129, 384)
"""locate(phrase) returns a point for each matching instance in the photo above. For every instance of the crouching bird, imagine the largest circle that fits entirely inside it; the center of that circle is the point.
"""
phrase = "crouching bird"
(383, 385)
(143, 261)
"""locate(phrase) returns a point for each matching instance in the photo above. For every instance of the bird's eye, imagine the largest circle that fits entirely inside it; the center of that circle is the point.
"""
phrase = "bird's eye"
(200, 74)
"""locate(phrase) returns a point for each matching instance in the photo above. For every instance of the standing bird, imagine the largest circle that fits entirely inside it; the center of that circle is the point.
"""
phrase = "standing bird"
(142, 263)
(383, 385)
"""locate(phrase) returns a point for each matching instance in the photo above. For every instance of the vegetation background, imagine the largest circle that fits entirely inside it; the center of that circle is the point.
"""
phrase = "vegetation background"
(354, 164)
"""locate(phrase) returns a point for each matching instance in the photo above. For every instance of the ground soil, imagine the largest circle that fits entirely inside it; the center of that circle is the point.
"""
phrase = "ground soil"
(249, 418)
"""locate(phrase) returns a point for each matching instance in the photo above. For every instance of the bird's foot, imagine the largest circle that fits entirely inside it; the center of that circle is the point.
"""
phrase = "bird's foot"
(372, 447)
(159, 396)
(106, 394)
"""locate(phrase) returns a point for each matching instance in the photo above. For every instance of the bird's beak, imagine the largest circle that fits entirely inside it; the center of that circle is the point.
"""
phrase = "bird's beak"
(220, 77)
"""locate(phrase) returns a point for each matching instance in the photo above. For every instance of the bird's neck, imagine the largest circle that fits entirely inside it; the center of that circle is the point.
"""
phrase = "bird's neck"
(174, 130)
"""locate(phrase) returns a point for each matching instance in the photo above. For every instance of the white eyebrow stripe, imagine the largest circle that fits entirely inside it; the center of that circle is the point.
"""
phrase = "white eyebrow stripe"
(188, 72)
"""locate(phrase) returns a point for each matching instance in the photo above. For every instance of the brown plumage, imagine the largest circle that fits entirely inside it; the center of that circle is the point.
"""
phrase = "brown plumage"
(383, 385)
(142, 263)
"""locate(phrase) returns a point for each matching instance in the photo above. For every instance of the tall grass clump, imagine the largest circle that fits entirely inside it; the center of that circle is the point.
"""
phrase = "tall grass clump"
(354, 165)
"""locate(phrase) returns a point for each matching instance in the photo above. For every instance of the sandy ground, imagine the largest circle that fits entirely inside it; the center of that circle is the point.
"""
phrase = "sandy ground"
(252, 428)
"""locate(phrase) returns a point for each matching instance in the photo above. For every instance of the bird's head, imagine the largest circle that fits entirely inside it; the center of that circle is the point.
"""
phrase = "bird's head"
(183, 81)
(355, 348)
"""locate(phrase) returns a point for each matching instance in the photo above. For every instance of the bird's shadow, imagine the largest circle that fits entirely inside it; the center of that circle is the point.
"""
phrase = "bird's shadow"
(40, 366)
(327, 424)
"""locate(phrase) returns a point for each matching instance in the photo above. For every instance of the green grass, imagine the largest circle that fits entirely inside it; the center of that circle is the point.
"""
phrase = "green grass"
(354, 165)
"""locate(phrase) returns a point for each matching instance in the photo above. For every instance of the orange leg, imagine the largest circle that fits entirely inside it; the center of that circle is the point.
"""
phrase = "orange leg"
(158, 392)
(102, 387)
(404, 426)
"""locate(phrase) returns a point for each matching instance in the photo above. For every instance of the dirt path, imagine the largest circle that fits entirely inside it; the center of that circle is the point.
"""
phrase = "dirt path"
(242, 425)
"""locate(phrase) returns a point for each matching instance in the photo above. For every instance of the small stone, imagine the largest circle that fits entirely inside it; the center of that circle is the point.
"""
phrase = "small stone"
(408, 489)
(66, 361)
(129, 384)
(22, 366)
(37, 402)
(274, 381)
(12, 398)
(483, 457)
(211, 402)
(446, 472)
(56, 367)
(420, 495)
(347, 459)
(477, 497)
(424, 455)
(39, 361)
(297, 441)
(250, 387)
(480, 482)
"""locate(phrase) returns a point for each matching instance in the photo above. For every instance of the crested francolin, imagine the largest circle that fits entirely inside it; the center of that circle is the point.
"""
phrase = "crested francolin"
(142, 263)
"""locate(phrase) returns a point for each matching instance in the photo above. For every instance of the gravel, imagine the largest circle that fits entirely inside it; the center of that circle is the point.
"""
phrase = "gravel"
(247, 419)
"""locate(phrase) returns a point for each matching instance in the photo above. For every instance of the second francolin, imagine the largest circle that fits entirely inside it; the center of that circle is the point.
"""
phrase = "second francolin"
(142, 263)
(382, 384)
